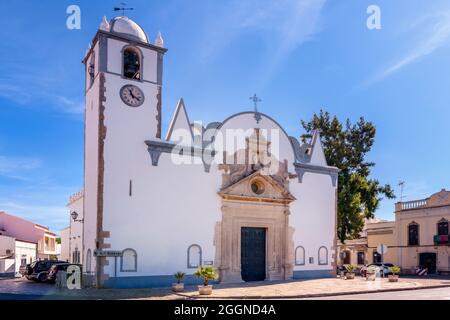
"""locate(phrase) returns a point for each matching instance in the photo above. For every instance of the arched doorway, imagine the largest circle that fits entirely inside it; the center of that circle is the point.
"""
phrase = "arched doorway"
(428, 260)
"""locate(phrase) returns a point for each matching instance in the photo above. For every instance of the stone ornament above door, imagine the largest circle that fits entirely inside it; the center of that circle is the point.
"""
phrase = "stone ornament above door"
(258, 187)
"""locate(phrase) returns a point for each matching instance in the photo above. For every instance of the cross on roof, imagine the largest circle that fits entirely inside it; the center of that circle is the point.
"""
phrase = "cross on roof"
(255, 100)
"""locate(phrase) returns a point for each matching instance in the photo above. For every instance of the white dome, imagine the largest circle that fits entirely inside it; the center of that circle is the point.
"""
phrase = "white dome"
(125, 26)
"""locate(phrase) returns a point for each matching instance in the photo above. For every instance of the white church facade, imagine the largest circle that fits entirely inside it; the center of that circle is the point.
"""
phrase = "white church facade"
(240, 194)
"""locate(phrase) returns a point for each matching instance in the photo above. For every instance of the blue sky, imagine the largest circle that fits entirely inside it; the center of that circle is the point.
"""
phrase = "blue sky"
(298, 55)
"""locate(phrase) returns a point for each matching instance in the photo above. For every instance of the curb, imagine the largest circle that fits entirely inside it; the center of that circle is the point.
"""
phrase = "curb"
(312, 295)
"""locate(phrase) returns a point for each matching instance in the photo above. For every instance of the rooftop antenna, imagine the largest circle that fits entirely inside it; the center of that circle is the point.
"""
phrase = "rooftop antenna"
(122, 7)
(402, 185)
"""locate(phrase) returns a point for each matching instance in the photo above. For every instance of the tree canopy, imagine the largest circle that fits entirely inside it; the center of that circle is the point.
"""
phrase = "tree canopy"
(346, 147)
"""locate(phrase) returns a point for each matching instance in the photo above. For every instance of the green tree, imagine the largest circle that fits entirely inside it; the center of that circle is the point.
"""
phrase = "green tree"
(346, 147)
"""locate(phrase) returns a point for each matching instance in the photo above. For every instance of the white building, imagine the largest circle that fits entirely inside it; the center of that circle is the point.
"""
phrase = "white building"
(7, 253)
(264, 208)
(72, 236)
(65, 244)
(15, 253)
(25, 253)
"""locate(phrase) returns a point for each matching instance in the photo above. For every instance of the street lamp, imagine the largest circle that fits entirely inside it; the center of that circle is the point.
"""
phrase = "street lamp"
(74, 216)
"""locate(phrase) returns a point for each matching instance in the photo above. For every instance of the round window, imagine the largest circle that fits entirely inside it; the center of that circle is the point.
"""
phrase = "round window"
(257, 187)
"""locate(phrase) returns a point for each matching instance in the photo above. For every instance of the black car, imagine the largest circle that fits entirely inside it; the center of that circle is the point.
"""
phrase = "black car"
(51, 277)
(38, 270)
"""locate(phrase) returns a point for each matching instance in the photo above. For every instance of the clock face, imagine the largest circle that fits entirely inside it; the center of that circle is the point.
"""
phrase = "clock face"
(132, 95)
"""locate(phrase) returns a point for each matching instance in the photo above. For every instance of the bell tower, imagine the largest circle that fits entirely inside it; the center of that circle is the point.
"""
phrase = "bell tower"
(123, 86)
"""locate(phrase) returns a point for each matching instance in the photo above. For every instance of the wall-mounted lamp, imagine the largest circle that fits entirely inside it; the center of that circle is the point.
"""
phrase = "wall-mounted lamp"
(74, 216)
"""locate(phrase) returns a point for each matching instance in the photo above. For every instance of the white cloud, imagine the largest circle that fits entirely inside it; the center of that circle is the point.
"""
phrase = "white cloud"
(284, 25)
(14, 93)
(32, 90)
(67, 105)
(436, 29)
(16, 167)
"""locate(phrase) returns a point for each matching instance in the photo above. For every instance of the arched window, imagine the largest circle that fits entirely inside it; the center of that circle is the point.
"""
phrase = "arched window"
(88, 261)
(323, 256)
(131, 64)
(299, 256)
(194, 256)
(128, 261)
(413, 234)
(442, 228)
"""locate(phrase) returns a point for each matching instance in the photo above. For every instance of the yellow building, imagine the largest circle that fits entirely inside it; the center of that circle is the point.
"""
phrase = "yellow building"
(381, 232)
(422, 233)
(419, 236)
(363, 251)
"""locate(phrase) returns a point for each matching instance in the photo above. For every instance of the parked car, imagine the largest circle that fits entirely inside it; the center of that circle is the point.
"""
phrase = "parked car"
(51, 277)
(363, 270)
(38, 270)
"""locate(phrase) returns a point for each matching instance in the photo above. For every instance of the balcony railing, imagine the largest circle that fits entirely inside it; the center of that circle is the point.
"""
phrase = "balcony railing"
(49, 248)
(411, 205)
(441, 239)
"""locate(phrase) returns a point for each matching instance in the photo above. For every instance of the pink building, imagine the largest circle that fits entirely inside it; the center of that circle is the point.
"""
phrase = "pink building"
(27, 231)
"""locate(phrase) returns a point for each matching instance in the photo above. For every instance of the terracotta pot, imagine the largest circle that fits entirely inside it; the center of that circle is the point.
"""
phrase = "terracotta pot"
(393, 278)
(205, 290)
(177, 287)
(350, 276)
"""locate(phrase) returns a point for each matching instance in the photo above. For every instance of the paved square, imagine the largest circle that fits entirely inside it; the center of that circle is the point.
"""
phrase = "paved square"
(24, 289)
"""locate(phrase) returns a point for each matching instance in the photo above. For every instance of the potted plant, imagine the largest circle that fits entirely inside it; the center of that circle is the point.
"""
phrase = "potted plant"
(178, 286)
(394, 276)
(371, 273)
(350, 271)
(207, 273)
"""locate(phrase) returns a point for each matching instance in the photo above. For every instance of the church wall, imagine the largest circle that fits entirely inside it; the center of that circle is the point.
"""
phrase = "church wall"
(94, 51)
(170, 227)
(313, 218)
(172, 207)
(91, 168)
(313, 213)
(159, 211)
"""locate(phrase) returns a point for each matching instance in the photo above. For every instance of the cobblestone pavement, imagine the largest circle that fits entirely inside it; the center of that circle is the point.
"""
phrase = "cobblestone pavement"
(20, 288)
(315, 288)
(423, 294)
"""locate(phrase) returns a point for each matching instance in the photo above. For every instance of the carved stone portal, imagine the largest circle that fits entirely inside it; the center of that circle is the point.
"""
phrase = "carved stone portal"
(243, 205)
